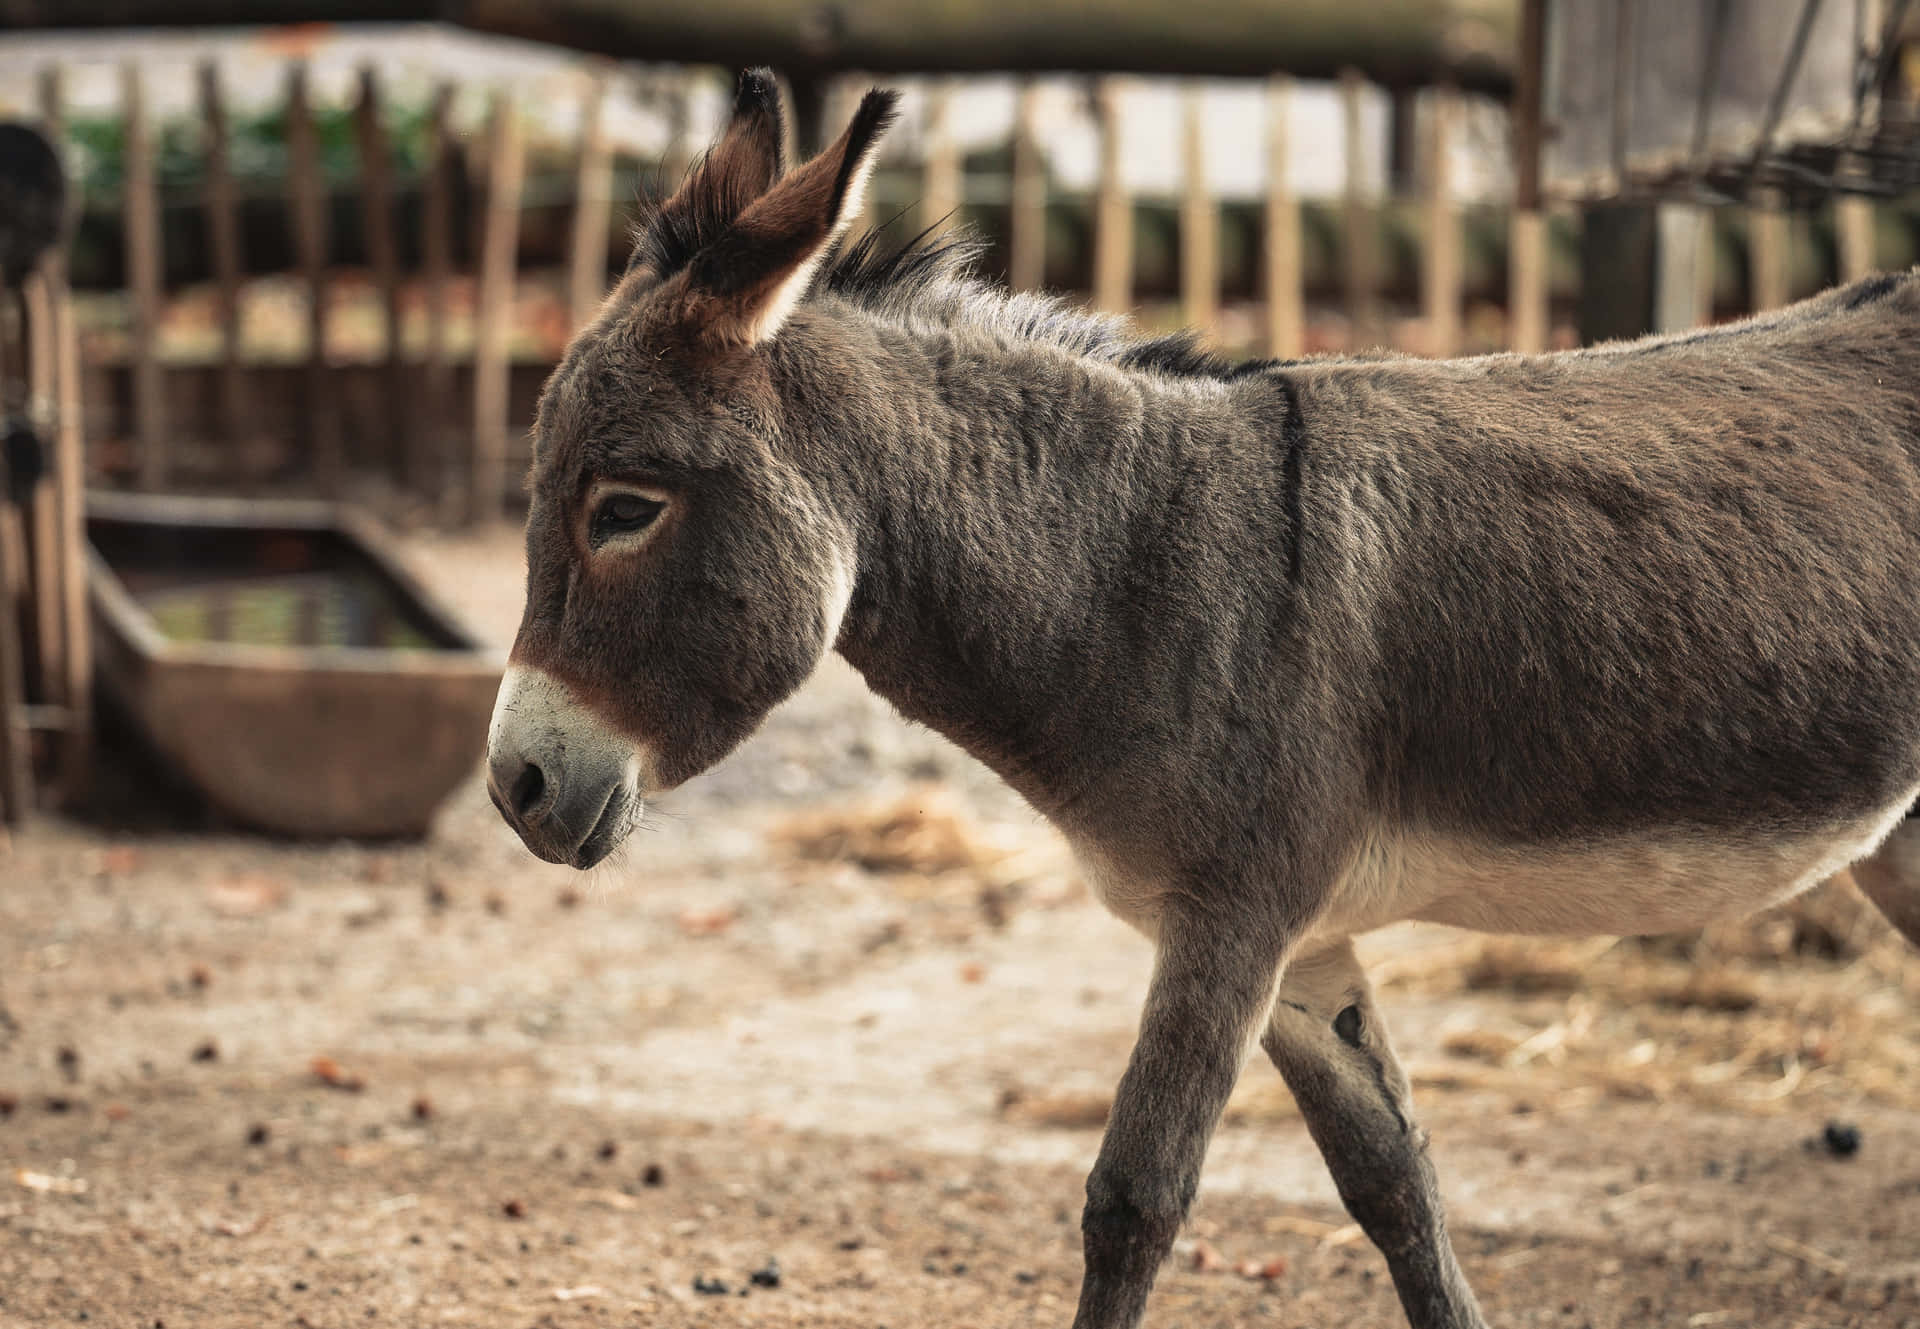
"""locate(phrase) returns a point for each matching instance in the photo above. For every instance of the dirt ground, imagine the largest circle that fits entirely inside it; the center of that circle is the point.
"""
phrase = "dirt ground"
(829, 1044)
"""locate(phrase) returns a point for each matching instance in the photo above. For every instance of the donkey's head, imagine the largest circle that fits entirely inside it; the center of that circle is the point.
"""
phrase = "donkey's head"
(683, 575)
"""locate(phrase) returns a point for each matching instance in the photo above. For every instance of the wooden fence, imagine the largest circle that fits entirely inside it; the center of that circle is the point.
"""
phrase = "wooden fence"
(450, 430)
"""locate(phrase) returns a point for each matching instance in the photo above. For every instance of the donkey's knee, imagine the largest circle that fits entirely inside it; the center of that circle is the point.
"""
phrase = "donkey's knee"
(1890, 877)
(1131, 1219)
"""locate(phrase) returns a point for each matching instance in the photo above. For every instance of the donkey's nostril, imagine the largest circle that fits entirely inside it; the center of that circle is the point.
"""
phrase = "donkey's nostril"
(528, 790)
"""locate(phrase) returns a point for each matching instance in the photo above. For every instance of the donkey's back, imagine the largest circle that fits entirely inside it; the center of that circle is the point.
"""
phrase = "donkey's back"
(1645, 619)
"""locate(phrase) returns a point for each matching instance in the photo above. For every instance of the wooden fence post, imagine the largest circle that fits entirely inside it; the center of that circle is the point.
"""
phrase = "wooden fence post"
(383, 256)
(307, 196)
(1357, 221)
(1440, 272)
(1027, 210)
(1113, 210)
(492, 349)
(1768, 255)
(1286, 306)
(69, 486)
(1527, 227)
(142, 220)
(941, 190)
(592, 207)
(223, 244)
(435, 454)
(1199, 221)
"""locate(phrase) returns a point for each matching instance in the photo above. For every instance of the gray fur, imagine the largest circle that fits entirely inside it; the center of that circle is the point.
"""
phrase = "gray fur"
(1272, 645)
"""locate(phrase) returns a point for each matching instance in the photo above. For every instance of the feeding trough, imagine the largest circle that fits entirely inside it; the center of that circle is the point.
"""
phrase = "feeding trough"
(278, 655)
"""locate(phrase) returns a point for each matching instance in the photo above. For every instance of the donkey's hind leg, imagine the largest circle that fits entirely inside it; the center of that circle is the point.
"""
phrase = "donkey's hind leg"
(1326, 1037)
(1890, 877)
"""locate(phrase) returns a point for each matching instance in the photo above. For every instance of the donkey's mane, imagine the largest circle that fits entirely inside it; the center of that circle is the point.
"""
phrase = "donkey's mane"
(930, 279)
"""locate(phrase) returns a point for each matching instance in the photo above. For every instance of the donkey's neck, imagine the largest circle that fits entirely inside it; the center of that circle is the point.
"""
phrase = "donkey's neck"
(1022, 515)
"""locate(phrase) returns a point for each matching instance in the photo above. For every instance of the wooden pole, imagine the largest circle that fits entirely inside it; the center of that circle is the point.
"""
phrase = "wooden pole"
(1680, 245)
(43, 513)
(308, 200)
(1853, 225)
(1027, 213)
(1768, 255)
(1441, 271)
(16, 774)
(433, 452)
(1199, 222)
(383, 256)
(1357, 221)
(592, 207)
(142, 213)
(69, 485)
(1113, 210)
(941, 182)
(223, 243)
(1527, 231)
(1286, 304)
(494, 326)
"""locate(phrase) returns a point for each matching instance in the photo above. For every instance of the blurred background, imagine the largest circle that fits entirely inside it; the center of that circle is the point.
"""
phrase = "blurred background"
(291, 1028)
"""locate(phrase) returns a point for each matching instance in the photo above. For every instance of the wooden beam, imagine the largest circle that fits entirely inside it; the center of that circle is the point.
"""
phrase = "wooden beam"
(592, 208)
(223, 245)
(43, 511)
(307, 197)
(433, 451)
(1285, 282)
(1769, 256)
(1027, 210)
(69, 485)
(1440, 273)
(1112, 209)
(1199, 222)
(493, 333)
(1527, 294)
(142, 221)
(383, 256)
(1855, 236)
(1360, 243)
(942, 183)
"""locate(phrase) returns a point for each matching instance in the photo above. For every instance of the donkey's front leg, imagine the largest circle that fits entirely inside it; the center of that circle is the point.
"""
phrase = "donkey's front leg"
(1213, 982)
(1327, 1039)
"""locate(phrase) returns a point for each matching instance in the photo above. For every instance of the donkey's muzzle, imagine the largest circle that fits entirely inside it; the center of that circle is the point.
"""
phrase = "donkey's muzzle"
(567, 784)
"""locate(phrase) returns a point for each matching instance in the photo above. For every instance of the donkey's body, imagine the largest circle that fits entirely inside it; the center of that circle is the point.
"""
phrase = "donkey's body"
(1616, 641)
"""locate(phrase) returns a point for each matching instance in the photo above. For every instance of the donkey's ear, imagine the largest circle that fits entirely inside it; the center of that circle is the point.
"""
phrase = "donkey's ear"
(743, 165)
(741, 288)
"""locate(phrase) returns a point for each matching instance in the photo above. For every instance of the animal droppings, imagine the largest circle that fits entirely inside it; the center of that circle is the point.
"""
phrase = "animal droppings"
(207, 1051)
(653, 1175)
(1841, 1138)
(710, 1287)
(767, 1275)
(514, 1209)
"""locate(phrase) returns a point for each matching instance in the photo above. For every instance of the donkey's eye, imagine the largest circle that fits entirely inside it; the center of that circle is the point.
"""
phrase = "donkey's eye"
(622, 514)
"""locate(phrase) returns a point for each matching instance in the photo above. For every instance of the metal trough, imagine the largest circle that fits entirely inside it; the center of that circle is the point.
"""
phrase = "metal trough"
(280, 657)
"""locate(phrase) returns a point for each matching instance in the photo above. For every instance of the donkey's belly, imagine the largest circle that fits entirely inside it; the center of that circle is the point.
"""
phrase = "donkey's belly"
(1657, 882)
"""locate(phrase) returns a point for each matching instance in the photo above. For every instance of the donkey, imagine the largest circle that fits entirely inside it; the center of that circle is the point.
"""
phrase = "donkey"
(1613, 641)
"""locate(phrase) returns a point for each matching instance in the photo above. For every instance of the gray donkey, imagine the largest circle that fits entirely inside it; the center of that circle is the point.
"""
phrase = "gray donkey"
(1615, 641)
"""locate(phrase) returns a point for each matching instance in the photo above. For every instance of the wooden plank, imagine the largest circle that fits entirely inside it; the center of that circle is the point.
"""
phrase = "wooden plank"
(1027, 208)
(383, 256)
(1199, 221)
(1113, 209)
(1683, 233)
(494, 315)
(1359, 243)
(43, 513)
(142, 220)
(1285, 295)
(941, 183)
(223, 246)
(432, 452)
(1527, 228)
(69, 485)
(1769, 257)
(16, 773)
(1440, 272)
(1854, 236)
(307, 198)
(592, 208)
